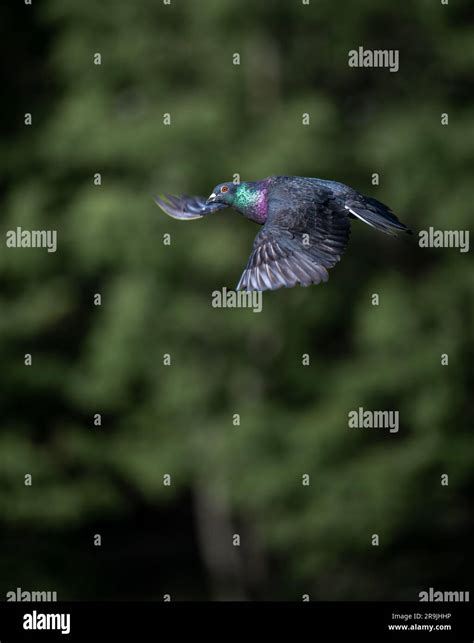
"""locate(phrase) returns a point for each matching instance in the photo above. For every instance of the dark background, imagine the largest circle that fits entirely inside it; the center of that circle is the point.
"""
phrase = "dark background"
(156, 299)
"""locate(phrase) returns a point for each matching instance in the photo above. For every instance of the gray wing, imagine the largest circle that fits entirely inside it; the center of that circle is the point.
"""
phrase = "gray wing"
(187, 207)
(284, 256)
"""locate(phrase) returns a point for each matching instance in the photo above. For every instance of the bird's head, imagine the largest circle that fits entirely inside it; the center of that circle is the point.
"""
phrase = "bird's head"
(223, 193)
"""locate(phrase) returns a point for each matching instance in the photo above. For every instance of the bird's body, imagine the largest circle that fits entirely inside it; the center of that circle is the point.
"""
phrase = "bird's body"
(305, 225)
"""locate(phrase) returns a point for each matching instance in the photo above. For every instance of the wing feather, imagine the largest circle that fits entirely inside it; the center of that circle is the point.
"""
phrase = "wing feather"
(187, 207)
(283, 257)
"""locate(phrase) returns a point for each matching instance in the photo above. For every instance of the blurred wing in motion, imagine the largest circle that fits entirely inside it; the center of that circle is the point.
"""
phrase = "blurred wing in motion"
(187, 207)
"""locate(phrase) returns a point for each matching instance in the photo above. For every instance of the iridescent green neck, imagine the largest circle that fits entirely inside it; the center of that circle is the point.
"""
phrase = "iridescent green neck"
(251, 200)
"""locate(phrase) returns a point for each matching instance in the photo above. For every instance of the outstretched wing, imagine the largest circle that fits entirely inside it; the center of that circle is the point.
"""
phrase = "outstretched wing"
(284, 257)
(187, 207)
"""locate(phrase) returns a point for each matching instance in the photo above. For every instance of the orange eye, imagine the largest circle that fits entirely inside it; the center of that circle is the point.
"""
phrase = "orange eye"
(224, 188)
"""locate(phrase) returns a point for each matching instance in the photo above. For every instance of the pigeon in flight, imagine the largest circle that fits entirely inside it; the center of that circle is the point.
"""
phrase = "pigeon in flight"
(305, 225)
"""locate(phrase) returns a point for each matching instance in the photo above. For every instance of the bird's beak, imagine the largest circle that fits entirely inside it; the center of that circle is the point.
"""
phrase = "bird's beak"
(212, 198)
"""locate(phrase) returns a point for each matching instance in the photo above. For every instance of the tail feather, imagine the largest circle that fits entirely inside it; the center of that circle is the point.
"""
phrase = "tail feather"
(377, 215)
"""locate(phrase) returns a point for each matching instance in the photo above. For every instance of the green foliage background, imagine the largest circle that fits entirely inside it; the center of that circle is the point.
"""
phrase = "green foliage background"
(156, 299)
